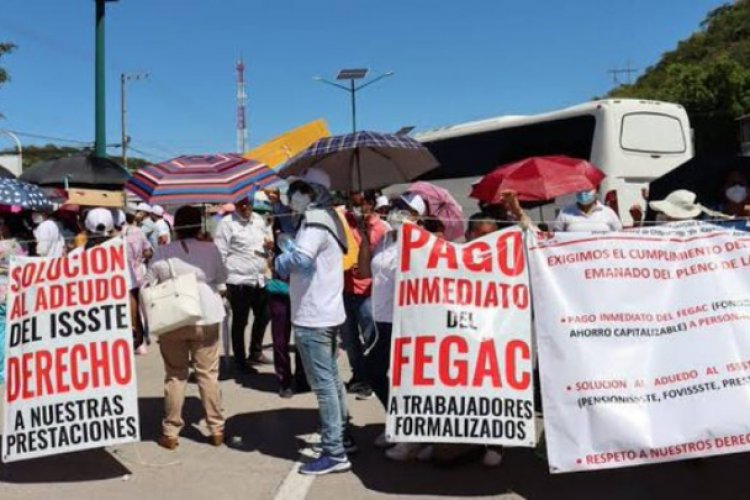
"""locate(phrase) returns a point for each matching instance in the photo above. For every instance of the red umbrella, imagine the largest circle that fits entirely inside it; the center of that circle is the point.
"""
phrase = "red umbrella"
(540, 178)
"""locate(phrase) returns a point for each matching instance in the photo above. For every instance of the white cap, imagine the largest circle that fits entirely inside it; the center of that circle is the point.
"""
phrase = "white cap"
(381, 201)
(99, 221)
(157, 210)
(415, 202)
(144, 207)
(678, 205)
(314, 176)
(118, 217)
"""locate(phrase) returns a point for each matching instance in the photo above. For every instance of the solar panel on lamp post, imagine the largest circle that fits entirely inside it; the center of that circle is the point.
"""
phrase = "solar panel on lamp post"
(353, 74)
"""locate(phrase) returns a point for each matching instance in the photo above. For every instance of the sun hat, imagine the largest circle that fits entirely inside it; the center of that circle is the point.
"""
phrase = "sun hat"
(415, 202)
(313, 176)
(679, 205)
(382, 201)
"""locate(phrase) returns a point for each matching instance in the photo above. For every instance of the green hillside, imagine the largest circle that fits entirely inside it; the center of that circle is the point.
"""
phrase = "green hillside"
(708, 73)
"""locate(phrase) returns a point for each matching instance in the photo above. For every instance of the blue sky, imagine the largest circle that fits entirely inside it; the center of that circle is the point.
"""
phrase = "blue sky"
(454, 61)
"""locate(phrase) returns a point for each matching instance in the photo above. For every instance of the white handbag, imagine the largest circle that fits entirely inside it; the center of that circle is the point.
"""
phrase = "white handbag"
(172, 304)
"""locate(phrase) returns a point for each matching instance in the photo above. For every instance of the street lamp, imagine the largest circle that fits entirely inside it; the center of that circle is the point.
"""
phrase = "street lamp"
(19, 148)
(124, 79)
(100, 142)
(353, 75)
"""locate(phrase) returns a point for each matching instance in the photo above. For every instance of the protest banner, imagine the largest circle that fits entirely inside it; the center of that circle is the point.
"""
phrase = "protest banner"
(643, 344)
(461, 369)
(70, 371)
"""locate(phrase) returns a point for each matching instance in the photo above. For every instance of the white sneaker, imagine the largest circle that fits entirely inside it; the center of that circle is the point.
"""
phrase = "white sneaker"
(382, 443)
(425, 454)
(492, 458)
(403, 451)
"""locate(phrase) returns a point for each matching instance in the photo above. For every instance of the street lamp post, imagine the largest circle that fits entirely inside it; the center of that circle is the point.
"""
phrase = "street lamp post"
(353, 75)
(100, 140)
(124, 79)
(19, 148)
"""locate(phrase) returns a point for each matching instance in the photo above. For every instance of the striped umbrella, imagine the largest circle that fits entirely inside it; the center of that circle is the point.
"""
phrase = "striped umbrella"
(365, 160)
(187, 180)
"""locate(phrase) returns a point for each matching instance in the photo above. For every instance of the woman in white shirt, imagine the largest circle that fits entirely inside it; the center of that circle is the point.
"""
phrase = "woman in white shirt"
(188, 255)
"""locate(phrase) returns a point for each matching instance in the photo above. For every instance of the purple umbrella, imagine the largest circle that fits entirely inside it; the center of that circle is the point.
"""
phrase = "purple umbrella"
(442, 206)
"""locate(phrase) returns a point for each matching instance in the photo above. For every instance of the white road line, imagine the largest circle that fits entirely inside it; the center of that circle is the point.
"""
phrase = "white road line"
(295, 486)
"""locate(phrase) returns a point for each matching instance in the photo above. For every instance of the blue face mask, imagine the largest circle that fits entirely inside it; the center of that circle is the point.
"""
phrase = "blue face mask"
(585, 198)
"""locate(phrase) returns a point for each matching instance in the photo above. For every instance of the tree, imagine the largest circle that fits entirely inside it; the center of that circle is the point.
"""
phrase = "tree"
(5, 48)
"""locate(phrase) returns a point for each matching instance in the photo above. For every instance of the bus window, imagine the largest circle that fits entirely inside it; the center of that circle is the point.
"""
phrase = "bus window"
(652, 133)
(479, 153)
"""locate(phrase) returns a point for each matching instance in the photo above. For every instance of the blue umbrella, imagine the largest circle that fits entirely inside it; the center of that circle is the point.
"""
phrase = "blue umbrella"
(365, 160)
(15, 192)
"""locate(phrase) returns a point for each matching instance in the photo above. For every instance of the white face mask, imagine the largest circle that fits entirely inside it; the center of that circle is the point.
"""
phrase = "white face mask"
(397, 218)
(736, 193)
(299, 202)
(37, 218)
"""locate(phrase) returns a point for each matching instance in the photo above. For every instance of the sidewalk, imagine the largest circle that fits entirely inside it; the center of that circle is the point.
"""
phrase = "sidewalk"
(266, 433)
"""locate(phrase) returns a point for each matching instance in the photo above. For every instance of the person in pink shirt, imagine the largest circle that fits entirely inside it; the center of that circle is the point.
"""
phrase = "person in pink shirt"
(139, 252)
(359, 327)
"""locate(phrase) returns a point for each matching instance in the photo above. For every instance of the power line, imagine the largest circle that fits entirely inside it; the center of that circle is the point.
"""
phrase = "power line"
(50, 138)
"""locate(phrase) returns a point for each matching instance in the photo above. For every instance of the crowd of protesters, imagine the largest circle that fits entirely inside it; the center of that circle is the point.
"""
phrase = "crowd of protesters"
(320, 271)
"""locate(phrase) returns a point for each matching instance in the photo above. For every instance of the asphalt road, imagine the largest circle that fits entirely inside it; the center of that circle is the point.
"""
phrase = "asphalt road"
(266, 434)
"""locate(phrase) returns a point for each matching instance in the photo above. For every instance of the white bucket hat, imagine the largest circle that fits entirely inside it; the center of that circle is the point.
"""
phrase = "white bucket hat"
(313, 176)
(415, 202)
(679, 205)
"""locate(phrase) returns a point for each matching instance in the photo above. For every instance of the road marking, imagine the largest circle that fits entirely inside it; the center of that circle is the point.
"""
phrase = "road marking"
(296, 486)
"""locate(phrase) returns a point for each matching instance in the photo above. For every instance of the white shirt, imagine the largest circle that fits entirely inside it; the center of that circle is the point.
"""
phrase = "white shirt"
(317, 296)
(161, 228)
(601, 218)
(202, 259)
(383, 266)
(240, 243)
(49, 239)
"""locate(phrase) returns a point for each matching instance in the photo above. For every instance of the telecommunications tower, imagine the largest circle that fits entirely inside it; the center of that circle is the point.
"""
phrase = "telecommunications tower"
(241, 100)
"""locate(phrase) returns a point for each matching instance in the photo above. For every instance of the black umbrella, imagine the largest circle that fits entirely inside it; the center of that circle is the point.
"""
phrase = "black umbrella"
(6, 174)
(703, 175)
(78, 171)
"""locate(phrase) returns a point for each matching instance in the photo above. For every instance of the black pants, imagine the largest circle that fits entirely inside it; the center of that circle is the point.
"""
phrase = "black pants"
(244, 298)
(378, 361)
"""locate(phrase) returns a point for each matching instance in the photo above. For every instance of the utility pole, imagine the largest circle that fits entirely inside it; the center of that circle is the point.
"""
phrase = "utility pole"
(627, 71)
(124, 79)
(241, 112)
(100, 140)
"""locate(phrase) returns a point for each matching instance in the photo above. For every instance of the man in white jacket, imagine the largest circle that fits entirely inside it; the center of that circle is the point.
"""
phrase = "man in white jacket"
(243, 238)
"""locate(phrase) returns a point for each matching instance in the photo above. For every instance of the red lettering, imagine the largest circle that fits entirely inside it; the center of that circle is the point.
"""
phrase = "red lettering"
(461, 365)
(477, 257)
(26, 367)
(61, 368)
(399, 359)
(421, 358)
(517, 350)
(13, 375)
(511, 263)
(79, 378)
(413, 237)
(43, 367)
(122, 366)
(99, 362)
(487, 365)
(442, 250)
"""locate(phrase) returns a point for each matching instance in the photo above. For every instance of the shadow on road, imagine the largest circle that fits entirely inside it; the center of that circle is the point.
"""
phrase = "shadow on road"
(89, 465)
(525, 474)
(274, 432)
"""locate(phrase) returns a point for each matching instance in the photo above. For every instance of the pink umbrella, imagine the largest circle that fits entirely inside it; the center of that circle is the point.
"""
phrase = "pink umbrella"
(442, 206)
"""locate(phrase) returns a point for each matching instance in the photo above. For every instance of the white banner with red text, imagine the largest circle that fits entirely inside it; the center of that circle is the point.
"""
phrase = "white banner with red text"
(70, 371)
(644, 344)
(461, 368)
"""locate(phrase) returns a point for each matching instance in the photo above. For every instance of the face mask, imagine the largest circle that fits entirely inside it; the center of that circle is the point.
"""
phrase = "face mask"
(299, 202)
(37, 218)
(397, 218)
(736, 193)
(585, 197)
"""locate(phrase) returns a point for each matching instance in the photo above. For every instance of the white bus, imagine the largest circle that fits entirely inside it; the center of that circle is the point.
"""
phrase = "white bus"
(632, 141)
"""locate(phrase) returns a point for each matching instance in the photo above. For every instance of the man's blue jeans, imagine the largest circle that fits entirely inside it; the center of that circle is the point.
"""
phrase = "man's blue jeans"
(357, 329)
(317, 348)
